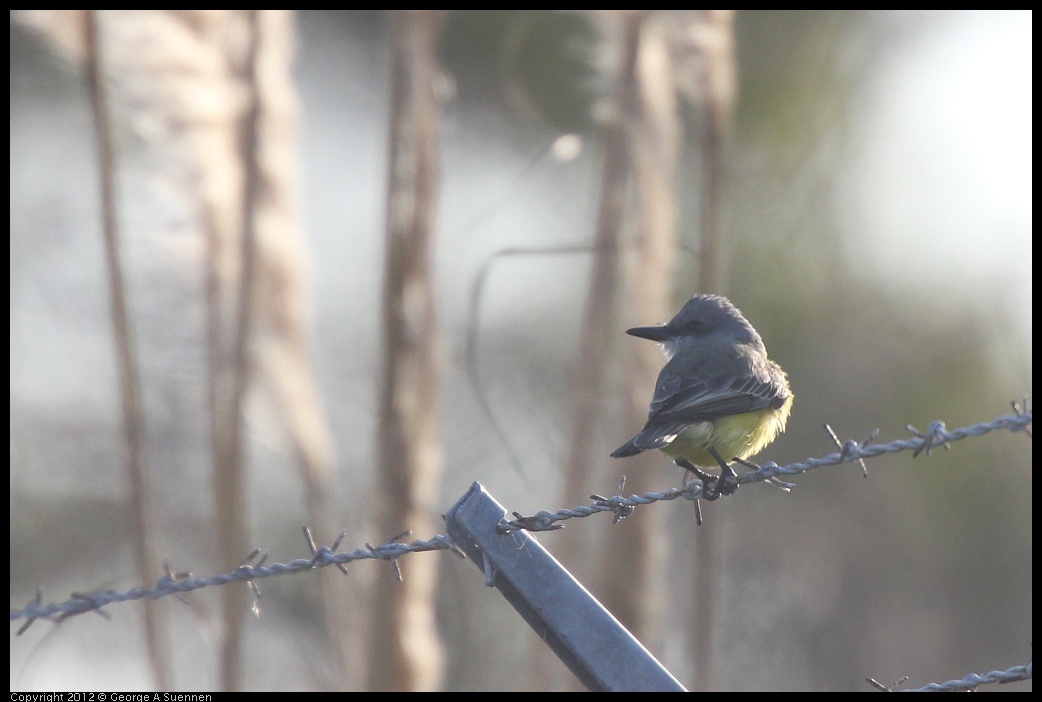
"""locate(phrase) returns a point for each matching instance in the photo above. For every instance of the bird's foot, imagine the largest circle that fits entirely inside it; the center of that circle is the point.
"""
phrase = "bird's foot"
(710, 483)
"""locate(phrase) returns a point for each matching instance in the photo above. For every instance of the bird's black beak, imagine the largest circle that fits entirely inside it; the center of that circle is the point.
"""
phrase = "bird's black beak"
(659, 332)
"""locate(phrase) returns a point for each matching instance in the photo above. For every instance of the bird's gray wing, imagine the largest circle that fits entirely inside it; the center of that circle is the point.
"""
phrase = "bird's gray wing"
(720, 396)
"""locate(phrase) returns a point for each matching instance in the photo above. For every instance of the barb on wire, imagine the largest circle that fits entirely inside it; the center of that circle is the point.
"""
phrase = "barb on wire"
(934, 436)
(253, 585)
(621, 510)
(886, 688)
(318, 553)
(171, 584)
(184, 575)
(388, 553)
(36, 601)
(540, 521)
(1021, 408)
(849, 446)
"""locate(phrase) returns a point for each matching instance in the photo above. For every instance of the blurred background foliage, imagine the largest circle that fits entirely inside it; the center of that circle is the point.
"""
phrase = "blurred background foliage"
(876, 229)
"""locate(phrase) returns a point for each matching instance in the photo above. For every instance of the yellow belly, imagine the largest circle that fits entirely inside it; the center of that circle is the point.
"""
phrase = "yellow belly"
(733, 436)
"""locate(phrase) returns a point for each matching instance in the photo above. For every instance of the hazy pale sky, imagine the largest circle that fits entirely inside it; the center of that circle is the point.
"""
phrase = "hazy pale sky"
(941, 181)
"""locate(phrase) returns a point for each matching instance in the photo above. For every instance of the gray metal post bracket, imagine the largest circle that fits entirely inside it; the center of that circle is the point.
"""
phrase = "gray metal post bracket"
(583, 634)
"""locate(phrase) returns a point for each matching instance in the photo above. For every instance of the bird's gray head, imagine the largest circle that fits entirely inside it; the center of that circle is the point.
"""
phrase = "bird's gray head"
(702, 316)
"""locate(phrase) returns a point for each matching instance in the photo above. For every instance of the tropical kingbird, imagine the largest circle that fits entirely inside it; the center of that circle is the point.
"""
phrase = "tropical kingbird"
(719, 397)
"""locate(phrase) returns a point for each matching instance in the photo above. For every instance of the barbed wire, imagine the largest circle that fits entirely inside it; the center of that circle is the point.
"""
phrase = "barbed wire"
(967, 684)
(179, 583)
(850, 451)
(252, 568)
